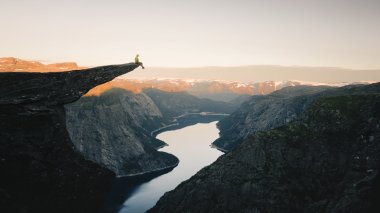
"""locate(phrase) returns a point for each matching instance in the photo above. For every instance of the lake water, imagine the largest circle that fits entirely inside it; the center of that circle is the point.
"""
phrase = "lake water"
(191, 145)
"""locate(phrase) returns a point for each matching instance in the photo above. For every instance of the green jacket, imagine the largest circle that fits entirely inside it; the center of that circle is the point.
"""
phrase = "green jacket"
(137, 60)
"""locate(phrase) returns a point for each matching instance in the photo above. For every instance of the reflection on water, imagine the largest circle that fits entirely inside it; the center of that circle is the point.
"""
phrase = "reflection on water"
(192, 147)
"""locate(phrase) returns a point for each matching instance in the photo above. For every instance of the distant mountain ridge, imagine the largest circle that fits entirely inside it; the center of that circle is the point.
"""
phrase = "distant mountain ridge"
(219, 90)
(194, 83)
(261, 73)
(11, 64)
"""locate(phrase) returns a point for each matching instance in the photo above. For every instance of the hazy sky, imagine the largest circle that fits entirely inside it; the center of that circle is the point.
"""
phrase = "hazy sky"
(182, 33)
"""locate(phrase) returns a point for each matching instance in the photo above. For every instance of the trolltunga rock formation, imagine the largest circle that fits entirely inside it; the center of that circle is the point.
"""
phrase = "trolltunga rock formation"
(40, 170)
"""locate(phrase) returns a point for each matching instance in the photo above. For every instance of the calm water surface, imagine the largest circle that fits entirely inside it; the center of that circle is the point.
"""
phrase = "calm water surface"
(191, 145)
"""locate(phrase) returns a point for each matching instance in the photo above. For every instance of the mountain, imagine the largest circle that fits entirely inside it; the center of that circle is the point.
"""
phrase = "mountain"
(173, 104)
(262, 113)
(262, 73)
(324, 161)
(211, 89)
(40, 169)
(117, 119)
(11, 64)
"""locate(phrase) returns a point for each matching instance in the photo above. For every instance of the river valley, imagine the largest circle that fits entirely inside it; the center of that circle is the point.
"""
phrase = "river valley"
(191, 145)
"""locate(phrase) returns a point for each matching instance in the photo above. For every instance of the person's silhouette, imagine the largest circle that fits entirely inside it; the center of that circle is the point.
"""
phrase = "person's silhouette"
(137, 61)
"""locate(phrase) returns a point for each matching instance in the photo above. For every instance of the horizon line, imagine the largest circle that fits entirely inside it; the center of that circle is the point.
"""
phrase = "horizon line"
(47, 62)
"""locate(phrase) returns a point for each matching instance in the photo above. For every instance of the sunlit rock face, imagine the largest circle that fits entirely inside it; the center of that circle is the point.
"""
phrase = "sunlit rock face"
(218, 90)
(40, 169)
(11, 64)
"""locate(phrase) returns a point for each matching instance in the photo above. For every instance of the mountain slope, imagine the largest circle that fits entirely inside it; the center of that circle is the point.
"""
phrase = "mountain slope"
(114, 128)
(262, 113)
(327, 161)
(177, 103)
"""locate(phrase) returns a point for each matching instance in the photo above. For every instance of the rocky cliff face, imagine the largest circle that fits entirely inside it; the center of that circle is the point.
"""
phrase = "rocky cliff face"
(114, 128)
(262, 113)
(41, 171)
(326, 161)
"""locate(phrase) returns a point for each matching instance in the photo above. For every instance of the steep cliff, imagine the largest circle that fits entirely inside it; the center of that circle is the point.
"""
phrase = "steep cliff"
(40, 170)
(262, 113)
(326, 161)
(114, 128)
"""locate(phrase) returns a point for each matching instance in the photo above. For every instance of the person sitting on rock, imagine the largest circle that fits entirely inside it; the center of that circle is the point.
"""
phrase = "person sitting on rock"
(137, 61)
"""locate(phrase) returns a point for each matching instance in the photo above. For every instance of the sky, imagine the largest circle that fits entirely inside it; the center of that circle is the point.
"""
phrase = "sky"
(196, 33)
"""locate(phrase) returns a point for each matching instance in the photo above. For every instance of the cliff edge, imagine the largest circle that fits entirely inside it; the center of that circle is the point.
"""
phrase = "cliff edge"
(41, 171)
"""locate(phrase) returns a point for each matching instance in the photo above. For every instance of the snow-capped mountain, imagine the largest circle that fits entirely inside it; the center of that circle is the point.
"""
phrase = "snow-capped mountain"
(212, 89)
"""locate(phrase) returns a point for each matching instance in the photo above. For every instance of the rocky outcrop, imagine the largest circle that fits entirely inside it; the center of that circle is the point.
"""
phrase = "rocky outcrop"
(326, 161)
(114, 128)
(48, 89)
(40, 169)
